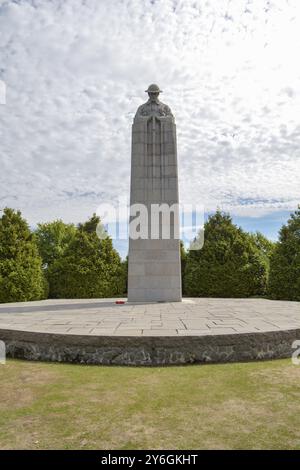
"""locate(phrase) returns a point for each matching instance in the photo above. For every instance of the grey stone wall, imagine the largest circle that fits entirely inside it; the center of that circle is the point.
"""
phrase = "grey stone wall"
(148, 351)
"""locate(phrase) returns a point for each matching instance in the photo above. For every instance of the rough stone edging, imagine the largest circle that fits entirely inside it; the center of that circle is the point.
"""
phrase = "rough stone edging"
(148, 350)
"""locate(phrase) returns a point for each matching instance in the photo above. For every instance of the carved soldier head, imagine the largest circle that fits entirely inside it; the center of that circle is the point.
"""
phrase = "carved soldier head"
(153, 92)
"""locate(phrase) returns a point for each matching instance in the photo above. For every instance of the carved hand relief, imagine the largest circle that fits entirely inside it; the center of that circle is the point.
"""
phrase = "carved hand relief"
(154, 109)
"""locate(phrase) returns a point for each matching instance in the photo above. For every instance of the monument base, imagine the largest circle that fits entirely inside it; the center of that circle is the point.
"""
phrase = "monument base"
(144, 296)
(154, 271)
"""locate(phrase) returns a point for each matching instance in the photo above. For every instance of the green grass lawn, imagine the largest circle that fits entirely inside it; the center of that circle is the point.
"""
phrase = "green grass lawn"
(230, 406)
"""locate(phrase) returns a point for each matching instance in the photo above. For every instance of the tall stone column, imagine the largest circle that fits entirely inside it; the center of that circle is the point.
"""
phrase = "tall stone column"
(154, 268)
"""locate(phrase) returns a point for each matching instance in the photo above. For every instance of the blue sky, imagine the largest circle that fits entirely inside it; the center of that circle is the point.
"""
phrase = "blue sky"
(269, 225)
(75, 73)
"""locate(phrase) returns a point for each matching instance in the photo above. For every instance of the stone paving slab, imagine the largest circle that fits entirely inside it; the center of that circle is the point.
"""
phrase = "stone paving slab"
(200, 316)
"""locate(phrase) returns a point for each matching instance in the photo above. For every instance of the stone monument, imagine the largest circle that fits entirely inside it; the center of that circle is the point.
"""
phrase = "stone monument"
(154, 268)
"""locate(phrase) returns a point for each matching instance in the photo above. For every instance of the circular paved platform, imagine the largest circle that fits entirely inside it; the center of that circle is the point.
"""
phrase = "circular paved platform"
(97, 331)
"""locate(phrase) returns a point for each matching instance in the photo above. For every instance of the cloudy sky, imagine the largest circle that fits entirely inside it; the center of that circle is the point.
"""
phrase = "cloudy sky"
(76, 70)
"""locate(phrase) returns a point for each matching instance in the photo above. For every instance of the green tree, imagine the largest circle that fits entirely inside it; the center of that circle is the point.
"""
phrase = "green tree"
(183, 257)
(125, 273)
(284, 279)
(265, 247)
(229, 265)
(53, 238)
(88, 267)
(21, 274)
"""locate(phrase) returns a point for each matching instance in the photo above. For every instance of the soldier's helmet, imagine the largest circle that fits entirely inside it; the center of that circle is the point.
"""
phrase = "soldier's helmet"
(153, 88)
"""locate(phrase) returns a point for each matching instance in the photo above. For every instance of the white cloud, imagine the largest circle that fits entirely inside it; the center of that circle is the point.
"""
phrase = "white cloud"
(75, 72)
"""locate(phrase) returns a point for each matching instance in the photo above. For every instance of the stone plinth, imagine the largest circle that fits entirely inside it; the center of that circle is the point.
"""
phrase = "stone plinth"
(97, 331)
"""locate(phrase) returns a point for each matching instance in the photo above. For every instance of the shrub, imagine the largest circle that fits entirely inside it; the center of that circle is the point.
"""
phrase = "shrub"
(88, 267)
(21, 274)
(284, 279)
(230, 264)
(52, 239)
